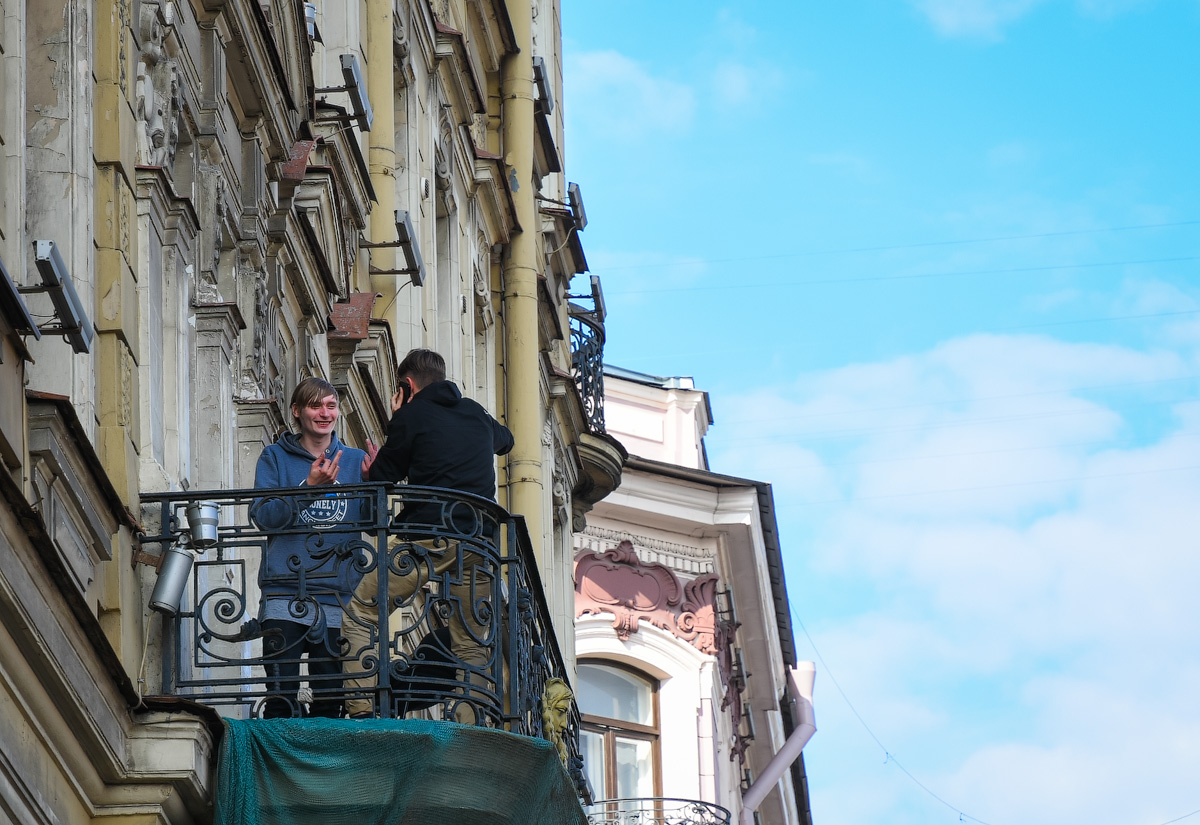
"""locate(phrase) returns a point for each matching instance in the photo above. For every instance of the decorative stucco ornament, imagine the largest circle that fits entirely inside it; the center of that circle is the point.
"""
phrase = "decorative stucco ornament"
(619, 582)
(156, 89)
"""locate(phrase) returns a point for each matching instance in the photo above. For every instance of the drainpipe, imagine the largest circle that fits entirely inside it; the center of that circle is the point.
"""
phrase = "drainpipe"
(800, 685)
(381, 147)
(523, 385)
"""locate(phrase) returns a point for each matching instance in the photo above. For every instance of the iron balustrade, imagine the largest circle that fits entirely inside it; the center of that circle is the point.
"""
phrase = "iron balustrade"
(656, 811)
(587, 366)
(456, 622)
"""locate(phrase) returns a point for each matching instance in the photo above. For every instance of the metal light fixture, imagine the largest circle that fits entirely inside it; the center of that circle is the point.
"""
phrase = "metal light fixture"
(73, 323)
(202, 532)
(599, 310)
(541, 80)
(356, 86)
(203, 518)
(13, 306)
(172, 579)
(575, 198)
(406, 239)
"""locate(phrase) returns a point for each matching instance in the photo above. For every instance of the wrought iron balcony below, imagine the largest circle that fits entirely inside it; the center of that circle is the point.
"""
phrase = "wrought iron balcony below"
(656, 811)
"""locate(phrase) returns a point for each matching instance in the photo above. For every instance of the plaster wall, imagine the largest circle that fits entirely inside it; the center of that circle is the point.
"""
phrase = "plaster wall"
(660, 424)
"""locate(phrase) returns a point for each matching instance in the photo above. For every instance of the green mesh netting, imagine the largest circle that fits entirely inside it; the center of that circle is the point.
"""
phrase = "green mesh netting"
(388, 772)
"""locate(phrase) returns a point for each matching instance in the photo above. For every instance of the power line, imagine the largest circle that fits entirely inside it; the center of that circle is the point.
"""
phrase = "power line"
(1099, 320)
(888, 756)
(1104, 319)
(888, 248)
(954, 425)
(1177, 435)
(886, 753)
(914, 276)
(974, 399)
(1088, 477)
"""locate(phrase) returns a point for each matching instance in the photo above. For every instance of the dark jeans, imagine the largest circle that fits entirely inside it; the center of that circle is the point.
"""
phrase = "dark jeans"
(287, 641)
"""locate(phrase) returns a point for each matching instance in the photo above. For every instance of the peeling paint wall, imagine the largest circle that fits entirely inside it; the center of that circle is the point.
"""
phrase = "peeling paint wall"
(58, 176)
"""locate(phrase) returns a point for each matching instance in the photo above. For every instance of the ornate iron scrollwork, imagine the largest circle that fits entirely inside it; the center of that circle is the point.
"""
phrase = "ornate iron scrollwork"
(455, 624)
(587, 366)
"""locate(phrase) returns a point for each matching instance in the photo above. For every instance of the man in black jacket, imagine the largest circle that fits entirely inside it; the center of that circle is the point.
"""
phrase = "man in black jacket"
(436, 438)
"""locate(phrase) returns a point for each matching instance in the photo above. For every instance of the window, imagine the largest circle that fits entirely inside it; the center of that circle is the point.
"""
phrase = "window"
(619, 738)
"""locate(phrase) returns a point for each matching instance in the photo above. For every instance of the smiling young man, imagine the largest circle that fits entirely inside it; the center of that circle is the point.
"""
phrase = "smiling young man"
(292, 626)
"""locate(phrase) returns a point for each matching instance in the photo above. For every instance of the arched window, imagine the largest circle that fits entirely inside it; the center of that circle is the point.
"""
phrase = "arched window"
(619, 738)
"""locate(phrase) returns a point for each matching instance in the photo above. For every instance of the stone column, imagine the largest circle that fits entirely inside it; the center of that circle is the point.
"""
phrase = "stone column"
(214, 420)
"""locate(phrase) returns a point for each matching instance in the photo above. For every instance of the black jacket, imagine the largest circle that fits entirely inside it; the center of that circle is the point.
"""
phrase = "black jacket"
(440, 439)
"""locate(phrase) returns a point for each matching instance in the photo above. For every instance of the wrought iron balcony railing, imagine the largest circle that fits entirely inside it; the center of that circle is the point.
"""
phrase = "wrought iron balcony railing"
(387, 598)
(587, 365)
(656, 811)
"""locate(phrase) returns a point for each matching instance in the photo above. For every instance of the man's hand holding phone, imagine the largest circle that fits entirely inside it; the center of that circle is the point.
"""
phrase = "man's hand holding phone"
(403, 395)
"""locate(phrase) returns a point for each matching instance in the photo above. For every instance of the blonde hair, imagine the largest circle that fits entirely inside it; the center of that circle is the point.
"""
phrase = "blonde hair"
(310, 391)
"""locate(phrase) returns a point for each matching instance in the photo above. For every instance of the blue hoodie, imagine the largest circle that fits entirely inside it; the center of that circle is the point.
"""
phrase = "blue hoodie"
(324, 555)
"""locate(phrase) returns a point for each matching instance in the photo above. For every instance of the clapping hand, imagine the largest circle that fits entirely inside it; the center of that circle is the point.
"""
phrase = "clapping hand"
(324, 470)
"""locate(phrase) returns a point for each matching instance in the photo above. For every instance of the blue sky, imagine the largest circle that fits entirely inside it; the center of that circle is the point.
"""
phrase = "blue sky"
(938, 264)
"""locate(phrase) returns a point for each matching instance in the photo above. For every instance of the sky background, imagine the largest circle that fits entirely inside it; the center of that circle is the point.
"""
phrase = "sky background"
(938, 264)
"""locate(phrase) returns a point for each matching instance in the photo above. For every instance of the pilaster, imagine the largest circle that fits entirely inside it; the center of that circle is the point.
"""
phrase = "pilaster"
(258, 423)
(115, 309)
(214, 423)
(117, 392)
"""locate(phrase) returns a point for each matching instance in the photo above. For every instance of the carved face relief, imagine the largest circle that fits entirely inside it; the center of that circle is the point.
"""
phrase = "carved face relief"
(151, 30)
(254, 382)
(156, 92)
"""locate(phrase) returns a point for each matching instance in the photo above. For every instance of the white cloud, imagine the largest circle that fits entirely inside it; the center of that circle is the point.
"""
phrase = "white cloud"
(612, 96)
(850, 164)
(1108, 8)
(739, 85)
(735, 31)
(1019, 640)
(1011, 155)
(985, 19)
(733, 83)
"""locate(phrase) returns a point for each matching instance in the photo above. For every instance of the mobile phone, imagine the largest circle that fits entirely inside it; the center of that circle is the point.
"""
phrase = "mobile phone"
(405, 391)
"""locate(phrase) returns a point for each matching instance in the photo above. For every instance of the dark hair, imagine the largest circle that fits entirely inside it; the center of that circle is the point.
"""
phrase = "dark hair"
(310, 391)
(423, 366)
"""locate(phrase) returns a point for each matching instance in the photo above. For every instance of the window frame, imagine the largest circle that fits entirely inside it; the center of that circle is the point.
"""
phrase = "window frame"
(610, 729)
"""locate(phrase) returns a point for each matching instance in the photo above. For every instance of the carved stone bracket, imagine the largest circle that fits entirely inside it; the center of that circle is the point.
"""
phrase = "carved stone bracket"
(697, 620)
(618, 582)
(258, 348)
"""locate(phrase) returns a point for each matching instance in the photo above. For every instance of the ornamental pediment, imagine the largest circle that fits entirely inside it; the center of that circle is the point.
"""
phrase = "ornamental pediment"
(617, 581)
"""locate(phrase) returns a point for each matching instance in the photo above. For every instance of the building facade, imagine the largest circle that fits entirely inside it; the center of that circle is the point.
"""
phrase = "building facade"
(239, 194)
(687, 667)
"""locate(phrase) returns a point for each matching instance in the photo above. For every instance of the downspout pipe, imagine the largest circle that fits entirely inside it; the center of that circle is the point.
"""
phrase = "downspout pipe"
(523, 402)
(800, 685)
(381, 149)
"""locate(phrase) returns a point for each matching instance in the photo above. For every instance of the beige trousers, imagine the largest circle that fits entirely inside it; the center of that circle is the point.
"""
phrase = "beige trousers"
(466, 632)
